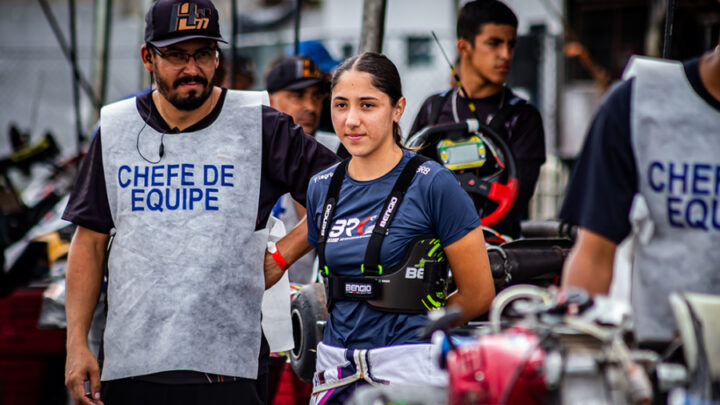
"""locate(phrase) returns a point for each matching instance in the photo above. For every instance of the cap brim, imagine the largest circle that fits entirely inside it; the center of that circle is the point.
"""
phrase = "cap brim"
(303, 83)
(173, 41)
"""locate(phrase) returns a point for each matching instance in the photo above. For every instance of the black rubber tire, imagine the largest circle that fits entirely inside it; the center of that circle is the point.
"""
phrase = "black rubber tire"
(306, 308)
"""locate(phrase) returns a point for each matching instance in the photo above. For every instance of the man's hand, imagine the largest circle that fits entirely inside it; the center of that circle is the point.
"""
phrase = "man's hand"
(81, 366)
(83, 282)
(273, 272)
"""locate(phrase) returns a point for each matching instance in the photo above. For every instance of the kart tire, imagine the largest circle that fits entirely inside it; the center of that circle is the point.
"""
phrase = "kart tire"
(306, 309)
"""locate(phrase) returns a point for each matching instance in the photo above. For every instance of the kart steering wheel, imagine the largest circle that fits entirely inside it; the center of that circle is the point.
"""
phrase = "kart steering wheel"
(489, 187)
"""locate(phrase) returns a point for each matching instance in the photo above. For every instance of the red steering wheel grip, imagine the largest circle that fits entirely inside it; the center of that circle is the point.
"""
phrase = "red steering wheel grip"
(504, 195)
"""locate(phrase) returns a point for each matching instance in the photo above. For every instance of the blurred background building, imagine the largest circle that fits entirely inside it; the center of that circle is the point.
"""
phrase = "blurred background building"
(568, 52)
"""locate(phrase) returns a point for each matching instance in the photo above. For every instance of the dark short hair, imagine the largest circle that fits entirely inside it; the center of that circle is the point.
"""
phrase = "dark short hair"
(474, 14)
(385, 77)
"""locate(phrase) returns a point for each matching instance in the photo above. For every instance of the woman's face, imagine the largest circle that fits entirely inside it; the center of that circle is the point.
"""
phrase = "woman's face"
(362, 115)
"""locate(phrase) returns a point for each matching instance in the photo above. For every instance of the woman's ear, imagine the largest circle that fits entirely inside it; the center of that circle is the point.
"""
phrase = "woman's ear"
(399, 109)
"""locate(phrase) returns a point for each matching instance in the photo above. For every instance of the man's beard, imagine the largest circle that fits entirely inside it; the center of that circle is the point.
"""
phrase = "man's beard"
(193, 100)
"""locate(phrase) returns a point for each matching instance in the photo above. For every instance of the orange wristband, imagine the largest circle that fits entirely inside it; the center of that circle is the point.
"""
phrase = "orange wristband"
(272, 249)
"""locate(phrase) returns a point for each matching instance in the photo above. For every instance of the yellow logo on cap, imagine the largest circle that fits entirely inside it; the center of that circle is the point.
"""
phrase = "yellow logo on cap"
(310, 70)
(187, 16)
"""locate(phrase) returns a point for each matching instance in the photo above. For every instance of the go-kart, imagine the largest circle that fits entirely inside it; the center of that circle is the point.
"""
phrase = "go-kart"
(568, 349)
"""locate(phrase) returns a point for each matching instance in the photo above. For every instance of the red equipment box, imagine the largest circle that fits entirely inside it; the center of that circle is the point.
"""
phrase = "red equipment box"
(32, 360)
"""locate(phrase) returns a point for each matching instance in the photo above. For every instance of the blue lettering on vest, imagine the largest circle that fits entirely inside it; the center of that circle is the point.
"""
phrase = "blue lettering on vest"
(655, 186)
(122, 183)
(156, 176)
(681, 177)
(139, 175)
(155, 200)
(172, 172)
(196, 195)
(226, 175)
(187, 174)
(699, 179)
(210, 175)
(672, 212)
(168, 194)
(210, 196)
(693, 220)
(137, 199)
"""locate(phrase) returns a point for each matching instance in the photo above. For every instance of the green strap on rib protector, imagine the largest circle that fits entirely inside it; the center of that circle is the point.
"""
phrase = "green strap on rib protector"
(362, 269)
(433, 304)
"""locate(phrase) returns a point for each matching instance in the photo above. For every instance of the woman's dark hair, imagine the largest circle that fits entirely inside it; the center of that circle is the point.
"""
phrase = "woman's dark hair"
(385, 77)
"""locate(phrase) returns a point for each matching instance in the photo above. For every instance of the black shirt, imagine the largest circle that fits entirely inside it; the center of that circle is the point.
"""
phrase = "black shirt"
(525, 136)
(289, 159)
(604, 179)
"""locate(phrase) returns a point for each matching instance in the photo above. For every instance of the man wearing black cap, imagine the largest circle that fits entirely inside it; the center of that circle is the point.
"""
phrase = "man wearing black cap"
(297, 87)
(185, 177)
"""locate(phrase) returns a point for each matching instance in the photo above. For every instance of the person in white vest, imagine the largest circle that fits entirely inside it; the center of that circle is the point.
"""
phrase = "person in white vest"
(185, 178)
(298, 88)
(649, 169)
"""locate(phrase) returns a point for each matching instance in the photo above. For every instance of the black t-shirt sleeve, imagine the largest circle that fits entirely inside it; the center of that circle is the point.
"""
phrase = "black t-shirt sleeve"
(527, 140)
(290, 157)
(421, 120)
(88, 204)
(527, 135)
(604, 180)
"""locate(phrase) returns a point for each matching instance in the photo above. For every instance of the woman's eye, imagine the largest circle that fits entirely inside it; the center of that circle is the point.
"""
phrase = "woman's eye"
(368, 105)
(339, 105)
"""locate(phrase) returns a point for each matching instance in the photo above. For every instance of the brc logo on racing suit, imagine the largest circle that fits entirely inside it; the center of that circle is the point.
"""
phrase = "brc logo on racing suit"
(351, 228)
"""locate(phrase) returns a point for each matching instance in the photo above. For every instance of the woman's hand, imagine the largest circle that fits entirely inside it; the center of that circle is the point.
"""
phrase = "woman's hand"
(292, 247)
(471, 271)
(273, 272)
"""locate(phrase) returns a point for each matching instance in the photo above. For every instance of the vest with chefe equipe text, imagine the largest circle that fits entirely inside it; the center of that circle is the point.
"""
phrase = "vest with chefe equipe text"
(186, 266)
(676, 214)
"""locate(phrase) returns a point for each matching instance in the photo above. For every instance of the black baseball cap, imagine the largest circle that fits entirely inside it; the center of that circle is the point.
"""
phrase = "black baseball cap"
(171, 21)
(293, 73)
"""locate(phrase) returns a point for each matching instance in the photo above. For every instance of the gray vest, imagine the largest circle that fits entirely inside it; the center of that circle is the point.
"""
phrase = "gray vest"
(676, 214)
(186, 266)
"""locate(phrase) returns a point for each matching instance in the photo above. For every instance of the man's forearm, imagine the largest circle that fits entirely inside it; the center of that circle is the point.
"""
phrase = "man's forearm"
(83, 282)
(590, 263)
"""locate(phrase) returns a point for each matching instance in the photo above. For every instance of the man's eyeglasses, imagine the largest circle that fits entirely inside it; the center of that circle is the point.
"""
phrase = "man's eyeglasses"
(205, 56)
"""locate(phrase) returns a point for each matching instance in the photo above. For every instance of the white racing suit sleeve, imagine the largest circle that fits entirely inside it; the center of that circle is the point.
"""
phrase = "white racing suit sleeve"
(410, 364)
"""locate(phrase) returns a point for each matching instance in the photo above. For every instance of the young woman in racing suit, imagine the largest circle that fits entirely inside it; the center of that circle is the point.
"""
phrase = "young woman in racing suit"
(361, 344)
